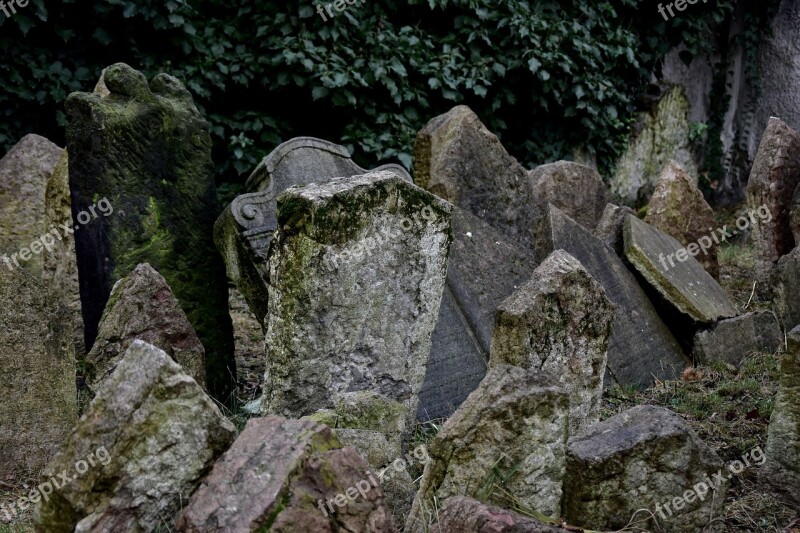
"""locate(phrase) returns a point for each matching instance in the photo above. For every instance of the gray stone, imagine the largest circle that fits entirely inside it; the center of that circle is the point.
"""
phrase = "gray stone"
(465, 515)
(794, 216)
(248, 339)
(640, 459)
(609, 228)
(575, 189)
(683, 283)
(38, 398)
(458, 159)
(514, 425)
(152, 433)
(142, 306)
(642, 348)
(786, 287)
(373, 446)
(356, 274)
(245, 229)
(663, 135)
(773, 180)
(147, 150)
(560, 322)
(731, 340)
(484, 268)
(782, 467)
(24, 172)
(278, 476)
(679, 209)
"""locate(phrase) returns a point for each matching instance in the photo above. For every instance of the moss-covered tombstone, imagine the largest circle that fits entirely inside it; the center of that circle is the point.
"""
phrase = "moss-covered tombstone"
(147, 150)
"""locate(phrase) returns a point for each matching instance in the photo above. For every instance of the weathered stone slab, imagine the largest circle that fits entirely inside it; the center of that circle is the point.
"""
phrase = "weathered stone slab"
(577, 190)
(609, 228)
(786, 287)
(642, 347)
(773, 179)
(148, 150)
(356, 279)
(38, 398)
(794, 216)
(24, 172)
(675, 274)
(246, 227)
(458, 159)
(480, 439)
(782, 468)
(465, 515)
(142, 306)
(287, 475)
(159, 432)
(663, 135)
(731, 340)
(643, 458)
(60, 270)
(679, 209)
(484, 268)
(248, 338)
(559, 322)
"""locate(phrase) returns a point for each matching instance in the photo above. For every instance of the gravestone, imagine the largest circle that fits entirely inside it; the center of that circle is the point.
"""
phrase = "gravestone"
(356, 272)
(786, 286)
(642, 348)
(732, 340)
(609, 229)
(147, 149)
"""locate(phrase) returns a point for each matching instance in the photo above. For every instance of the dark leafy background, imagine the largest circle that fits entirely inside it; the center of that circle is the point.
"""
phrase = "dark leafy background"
(545, 76)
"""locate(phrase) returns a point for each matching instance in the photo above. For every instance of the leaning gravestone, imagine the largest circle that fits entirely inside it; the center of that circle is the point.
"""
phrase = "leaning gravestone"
(484, 268)
(577, 190)
(458, 159)
(245, 229)
(148, 150)
(609, 228)
(679, 209)
(559, 322)
(24, 172)
(514, 428)
(142, 306)
(38, 397)
(782, 468)
(675, 274)
(731, 340)
(642, 348)
(773, 180)
(287, 475)
(632, 466)
(786, 287)
(356, 276)
(158, 432)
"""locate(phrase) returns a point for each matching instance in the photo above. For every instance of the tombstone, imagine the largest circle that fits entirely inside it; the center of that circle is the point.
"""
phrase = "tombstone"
(786, 287)
(782, 468)
(641, 460)
(575, 189)
(642, 348)
(484, 268)
(37, 395)
(24, 172)
(458, 159)
(145, 441)
(679, 209)
(794, 216)
(773, 179)
(305, 481)
(673, 272)
(248, 340)
(245, 229)
(147, 149)
(559, 322)
(357, 273)
(60, 269)
(730, 341)
(609, 228)
(142, 306)
(514, 426)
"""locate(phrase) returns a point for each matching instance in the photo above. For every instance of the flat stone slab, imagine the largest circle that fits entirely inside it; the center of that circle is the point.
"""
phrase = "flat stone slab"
(675, 274)
(643, 458)
(484, 268)
(731, 340)
(642, 348)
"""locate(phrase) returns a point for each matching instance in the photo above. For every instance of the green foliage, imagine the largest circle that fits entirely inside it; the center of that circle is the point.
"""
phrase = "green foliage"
(546, 76)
